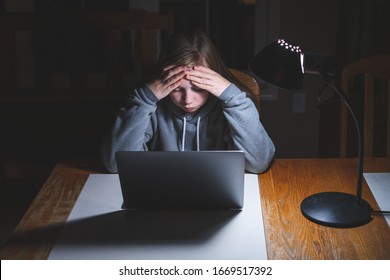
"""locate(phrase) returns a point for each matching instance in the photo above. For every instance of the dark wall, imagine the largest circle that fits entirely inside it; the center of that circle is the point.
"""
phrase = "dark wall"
(362, 31)
(348, 28)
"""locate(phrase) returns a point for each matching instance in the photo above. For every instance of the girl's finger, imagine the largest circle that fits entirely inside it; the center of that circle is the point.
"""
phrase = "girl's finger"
(173, 71)
(175, 77)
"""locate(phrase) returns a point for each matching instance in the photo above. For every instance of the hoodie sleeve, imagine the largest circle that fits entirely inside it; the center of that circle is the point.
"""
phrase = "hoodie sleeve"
(246, 131)
(132, 127)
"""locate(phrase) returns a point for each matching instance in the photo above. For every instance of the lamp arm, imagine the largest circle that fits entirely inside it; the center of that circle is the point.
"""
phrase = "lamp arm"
(330, 78)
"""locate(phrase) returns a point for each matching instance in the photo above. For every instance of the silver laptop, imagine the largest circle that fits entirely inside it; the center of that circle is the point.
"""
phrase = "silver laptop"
(182, 180)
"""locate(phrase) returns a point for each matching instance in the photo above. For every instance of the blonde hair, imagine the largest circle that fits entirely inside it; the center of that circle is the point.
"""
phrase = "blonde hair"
(190, 49)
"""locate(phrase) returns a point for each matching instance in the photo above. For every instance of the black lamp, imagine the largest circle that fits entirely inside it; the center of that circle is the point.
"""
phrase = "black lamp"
(283, 65)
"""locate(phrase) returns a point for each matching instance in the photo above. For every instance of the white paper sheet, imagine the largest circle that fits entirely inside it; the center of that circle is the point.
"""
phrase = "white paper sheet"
(97, 228)
(379, 184)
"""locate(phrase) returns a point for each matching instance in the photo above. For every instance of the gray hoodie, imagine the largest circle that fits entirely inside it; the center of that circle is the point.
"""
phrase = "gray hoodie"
(230, 122)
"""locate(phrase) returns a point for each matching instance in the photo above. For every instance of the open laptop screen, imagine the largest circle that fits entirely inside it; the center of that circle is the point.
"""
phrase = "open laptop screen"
(182, 180)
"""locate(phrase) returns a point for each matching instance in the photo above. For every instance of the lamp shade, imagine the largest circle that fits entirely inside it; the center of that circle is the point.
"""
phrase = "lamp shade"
(280, 64)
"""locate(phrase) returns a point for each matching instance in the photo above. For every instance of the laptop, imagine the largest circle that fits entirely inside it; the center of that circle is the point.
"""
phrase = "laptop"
(181, 180)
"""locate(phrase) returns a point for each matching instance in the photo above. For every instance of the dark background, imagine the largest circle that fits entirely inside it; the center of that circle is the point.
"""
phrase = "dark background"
(299, 126)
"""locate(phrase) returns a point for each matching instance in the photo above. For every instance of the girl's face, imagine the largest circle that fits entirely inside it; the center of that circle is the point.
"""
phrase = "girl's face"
(189, 97)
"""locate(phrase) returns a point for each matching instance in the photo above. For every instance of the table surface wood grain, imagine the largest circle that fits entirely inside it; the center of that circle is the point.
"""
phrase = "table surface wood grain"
(288, 234)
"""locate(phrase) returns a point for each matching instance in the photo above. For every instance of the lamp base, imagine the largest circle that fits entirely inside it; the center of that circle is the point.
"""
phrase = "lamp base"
(336, 209)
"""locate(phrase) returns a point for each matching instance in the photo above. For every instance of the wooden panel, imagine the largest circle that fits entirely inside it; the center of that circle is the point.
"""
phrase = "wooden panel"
(59, 104)
(131, 19)
(78, 65)
(7, 58)
(64, 36)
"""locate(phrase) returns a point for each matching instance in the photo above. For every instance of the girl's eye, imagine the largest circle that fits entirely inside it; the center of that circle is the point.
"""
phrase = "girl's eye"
(200, 91)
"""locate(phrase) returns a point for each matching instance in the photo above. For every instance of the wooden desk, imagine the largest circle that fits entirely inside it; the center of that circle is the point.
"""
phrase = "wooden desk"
(289, 235)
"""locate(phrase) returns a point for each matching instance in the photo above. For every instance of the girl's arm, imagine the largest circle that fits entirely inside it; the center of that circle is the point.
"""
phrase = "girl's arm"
(132, 127)
(246, 131)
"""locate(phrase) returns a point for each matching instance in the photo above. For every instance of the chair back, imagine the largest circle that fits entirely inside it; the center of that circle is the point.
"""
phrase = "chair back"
(249, 81)
(375, 72)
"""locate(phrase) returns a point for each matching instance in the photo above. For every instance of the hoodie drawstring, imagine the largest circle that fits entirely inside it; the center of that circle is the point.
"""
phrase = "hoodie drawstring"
(183, 139)
(197, 134)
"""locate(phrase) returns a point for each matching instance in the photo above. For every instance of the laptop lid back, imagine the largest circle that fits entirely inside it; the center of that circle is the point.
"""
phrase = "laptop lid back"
(182, 180)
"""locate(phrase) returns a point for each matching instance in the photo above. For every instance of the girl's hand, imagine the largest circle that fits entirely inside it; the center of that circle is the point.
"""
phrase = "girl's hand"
(207, 79)
(169, 80)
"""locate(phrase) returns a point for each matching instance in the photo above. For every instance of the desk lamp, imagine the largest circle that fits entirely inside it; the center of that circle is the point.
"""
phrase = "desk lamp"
(283, 64)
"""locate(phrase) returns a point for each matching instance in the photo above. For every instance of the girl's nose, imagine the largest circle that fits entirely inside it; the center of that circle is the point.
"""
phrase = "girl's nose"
(187, 97)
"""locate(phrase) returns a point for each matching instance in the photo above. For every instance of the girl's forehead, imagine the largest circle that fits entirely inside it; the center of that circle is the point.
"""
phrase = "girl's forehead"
(187, 84)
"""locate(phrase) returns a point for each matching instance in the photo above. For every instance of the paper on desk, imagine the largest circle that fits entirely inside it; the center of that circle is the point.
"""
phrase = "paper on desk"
(379, 184)
(98, 228)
